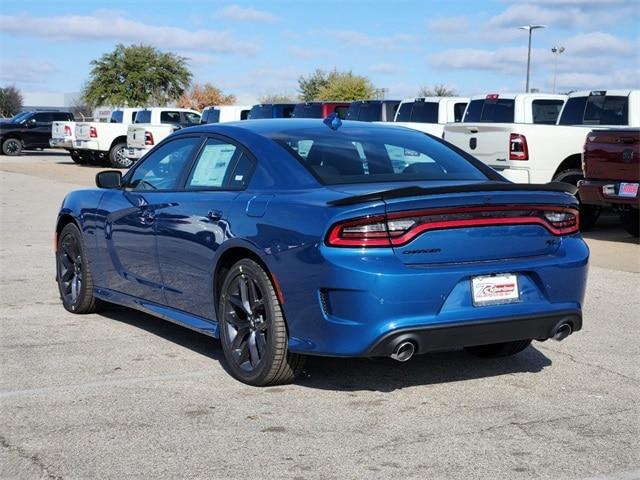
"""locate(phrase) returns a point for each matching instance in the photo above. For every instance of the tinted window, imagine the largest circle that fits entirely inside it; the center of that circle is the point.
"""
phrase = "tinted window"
(341, 112)
(404, 112)
(213, 166)
(313, 110)
(191, 118)
(244, 114)
(170, 117)
(474, 111)
(261, 111)
(287, 112)
(573, 112)
(546, 111)
(369, 112)
(606, 110)
(374, 156)
(116, 116)
(161, 169)
(143, 116)
(390, 109)
(352, 112)
(61, 116)
(500, 110)
(42, 117)
(424, 112)
(133, 116)
(458, 111)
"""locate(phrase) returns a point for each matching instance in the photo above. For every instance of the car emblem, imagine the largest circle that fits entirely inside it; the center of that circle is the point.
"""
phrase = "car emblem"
(627, 155)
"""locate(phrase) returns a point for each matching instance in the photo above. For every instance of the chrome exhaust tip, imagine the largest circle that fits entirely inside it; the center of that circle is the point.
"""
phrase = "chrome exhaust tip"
(562, 332)
(404, 351)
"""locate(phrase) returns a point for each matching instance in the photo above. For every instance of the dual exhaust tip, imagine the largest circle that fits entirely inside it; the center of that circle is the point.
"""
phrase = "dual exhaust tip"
(405, 350)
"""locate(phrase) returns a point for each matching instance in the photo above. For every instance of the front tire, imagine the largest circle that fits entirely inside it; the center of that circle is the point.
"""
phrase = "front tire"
(253, 330)
(496, 350)
(12, 147)
(589, 214)
(75, 283)
(631, 221)
(118, 156)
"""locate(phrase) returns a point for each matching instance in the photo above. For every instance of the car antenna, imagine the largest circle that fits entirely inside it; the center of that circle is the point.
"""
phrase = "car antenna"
(333, 121)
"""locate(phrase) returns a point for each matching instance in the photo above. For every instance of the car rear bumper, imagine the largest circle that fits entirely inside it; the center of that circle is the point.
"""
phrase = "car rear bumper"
(86, 145)
(438, 337)
(136, 153)
(61, 143)
(592, 193)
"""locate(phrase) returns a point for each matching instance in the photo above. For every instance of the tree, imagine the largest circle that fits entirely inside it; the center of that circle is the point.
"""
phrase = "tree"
(136, 76)
(277, 98)
(439, 90)
(204, 95)
(335, 85)
(10, 101)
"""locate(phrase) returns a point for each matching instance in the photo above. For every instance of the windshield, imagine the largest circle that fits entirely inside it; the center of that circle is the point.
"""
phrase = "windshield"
(312, 110)
(491, 110)
(20, 117)
(375, 155)
(365, 112)
(261, 111)
(422, 112)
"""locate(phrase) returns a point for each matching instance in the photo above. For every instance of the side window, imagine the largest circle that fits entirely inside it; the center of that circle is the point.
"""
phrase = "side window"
(42, 117)
(133, 116)
(191, 118)
(341, 112)
(458, 111)
(244, 115)
(606, 110)
(143, 116)
(162, 168)
(546, 111)
(404, 112)
(214, 166)
(62, 117)
(287, 112)
(573, 112)
(170, 117)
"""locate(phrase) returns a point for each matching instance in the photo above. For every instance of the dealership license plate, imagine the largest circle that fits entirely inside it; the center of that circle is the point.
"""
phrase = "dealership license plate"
(628, 190)
(495, 290)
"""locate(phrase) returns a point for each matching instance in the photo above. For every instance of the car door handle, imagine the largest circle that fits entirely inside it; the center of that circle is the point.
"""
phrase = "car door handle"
(214, 215)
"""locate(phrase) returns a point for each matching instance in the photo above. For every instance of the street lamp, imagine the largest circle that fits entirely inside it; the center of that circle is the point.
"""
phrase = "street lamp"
(529, 28)
(556, 53)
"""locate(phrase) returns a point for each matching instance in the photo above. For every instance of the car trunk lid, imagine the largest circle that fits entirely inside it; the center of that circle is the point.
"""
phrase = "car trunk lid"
(487, 142)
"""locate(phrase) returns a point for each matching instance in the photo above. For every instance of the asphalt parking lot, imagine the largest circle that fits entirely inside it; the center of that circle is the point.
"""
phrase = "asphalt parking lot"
(120, 394)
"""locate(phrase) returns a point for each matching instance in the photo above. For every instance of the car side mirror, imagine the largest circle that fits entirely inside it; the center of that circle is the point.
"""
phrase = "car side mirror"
(109, 179)
(31, 122)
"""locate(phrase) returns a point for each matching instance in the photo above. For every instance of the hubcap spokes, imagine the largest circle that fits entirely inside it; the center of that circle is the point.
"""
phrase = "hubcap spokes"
(70, 268)
(246, 322)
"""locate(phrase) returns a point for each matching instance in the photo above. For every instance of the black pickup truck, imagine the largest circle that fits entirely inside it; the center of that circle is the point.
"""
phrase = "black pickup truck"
(29, 130)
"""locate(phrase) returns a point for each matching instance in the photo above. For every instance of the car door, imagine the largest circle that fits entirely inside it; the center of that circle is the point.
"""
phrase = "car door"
(192, 224)
(130, 265)
(38, 130)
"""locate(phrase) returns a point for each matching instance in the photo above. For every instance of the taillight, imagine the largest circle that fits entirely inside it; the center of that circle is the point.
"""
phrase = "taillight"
(93, 133)
(148, 138)
(518, 149)
(67, 130)
(400, 228)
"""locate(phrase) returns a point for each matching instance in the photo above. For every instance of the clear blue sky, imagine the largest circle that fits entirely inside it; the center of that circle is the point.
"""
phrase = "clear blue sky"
(256, 48)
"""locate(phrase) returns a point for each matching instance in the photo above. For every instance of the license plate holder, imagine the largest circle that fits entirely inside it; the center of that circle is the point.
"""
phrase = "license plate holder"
(495, 289)
(628, 190)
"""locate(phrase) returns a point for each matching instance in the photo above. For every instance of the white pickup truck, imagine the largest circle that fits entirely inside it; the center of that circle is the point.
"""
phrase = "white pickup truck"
(151, 127)
(430, 114)
(63, 134)
(542, 151)
(102, 142)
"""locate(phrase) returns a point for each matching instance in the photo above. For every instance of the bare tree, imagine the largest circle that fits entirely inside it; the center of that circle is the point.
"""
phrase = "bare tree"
(438, 90)
(10, 101)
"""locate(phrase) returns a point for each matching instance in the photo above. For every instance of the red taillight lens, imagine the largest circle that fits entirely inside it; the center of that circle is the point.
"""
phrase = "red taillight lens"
(93, 133)
(518, 149)
(399, 228)
(148, 138)
(67, 130)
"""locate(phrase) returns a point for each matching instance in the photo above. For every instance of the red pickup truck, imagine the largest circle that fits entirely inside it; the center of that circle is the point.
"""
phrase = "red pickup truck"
(611, 166)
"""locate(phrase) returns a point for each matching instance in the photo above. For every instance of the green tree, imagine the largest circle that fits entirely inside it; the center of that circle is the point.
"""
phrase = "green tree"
(10, 101)
(335, 85)
(136, 76)
(439, 90)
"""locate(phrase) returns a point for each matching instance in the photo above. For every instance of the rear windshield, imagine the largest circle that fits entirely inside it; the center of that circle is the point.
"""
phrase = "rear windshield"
(308, 111)
(365, 112)
(596, 110)
(490, 110)
(212, 115)
(546, 111)
(261, 111)
(143, 116)
(423, 112)
(116, 116)
(376, 155)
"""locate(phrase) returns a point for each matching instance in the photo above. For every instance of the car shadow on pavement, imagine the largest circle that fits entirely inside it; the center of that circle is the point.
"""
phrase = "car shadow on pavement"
(608, 228)
(354, 374)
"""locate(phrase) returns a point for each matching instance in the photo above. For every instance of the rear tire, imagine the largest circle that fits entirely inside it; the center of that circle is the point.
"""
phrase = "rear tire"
(118, 156)
(631, 221)
(77, 157)
(73, 273)
(12, 147)
(253, 330)
(496, 350)
(588, 213)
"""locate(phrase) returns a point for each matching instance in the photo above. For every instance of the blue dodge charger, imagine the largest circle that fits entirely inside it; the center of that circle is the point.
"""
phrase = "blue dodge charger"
(287, 238)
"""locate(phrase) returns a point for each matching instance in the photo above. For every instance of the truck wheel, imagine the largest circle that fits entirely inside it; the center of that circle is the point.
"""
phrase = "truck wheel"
(630, 221)
(495, 350)
(118, 156)
(588, 213)
(12, 147)
(77, 157)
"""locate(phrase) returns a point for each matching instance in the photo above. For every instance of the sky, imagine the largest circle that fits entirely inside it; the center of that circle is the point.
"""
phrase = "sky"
(253, 48)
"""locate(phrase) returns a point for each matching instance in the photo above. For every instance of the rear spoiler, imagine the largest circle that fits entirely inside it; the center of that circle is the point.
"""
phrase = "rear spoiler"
(475, 187)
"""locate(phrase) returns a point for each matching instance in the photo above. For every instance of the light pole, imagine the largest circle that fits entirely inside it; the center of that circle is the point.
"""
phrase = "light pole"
(556, 53)
(529, 28)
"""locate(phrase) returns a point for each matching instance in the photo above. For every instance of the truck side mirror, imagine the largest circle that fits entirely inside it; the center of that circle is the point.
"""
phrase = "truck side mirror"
(109, 179)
